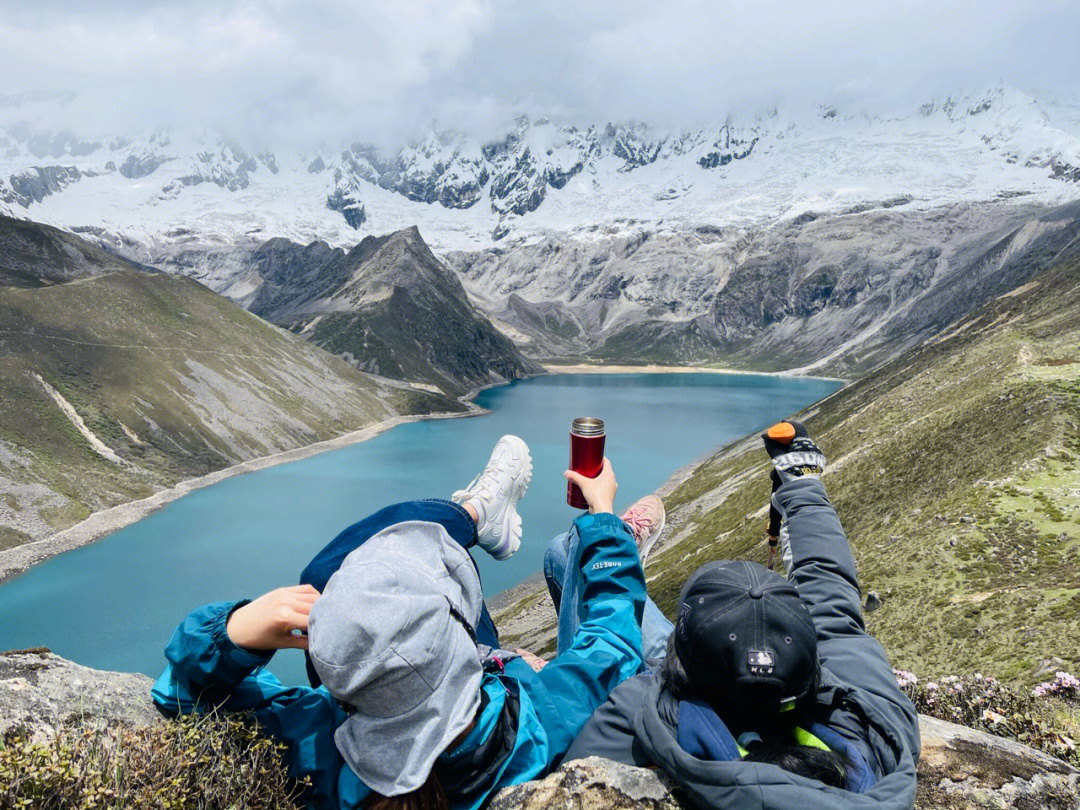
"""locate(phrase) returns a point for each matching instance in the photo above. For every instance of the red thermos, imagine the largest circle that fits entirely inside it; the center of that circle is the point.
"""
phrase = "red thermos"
(586, 455)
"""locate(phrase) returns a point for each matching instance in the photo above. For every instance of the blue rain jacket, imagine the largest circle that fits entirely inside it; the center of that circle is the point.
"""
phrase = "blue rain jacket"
(206, 670)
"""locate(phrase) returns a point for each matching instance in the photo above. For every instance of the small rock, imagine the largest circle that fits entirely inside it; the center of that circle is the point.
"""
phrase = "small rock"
(1048, 666)
(873, 602)
(590, 784)
(953, 542)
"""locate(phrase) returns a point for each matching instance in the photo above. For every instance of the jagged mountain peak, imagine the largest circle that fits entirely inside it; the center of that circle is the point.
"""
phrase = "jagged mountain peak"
(387, 305)
(398, 259)
(541, 175)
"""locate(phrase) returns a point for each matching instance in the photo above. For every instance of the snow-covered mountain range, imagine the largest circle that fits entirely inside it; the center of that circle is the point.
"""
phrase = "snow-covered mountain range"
(148, 195)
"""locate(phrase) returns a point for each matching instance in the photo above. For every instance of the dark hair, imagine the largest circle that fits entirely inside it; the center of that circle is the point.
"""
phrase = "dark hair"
(429, 796)
(813, 763)
(777, 749)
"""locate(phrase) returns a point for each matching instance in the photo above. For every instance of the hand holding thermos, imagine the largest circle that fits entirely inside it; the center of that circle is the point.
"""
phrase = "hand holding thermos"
(591, 480)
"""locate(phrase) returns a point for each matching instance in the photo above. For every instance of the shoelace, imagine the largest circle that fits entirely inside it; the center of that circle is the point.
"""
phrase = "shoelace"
(639, 522)
(481, 485)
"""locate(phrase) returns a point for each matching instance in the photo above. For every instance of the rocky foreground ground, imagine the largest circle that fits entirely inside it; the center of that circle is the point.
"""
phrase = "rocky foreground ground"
(960, 768)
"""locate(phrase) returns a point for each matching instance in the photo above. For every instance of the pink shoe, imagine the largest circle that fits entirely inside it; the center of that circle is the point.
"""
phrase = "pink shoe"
(645, 519)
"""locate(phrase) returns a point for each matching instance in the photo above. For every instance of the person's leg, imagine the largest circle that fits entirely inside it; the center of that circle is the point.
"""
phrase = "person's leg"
(562, 573)
(655, 629)
(564, 585)
(457, 521)
(493, 495)
(555, 567)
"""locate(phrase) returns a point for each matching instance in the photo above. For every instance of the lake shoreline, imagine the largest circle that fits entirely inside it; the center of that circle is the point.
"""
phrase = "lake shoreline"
(19, 559)
(98, 525)
(652, 368)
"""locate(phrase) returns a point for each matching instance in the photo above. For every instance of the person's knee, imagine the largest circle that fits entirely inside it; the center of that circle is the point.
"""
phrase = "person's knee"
(553, 562)
(555, 557)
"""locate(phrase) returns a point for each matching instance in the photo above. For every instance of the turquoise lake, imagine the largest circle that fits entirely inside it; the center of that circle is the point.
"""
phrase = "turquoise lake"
(113, 604)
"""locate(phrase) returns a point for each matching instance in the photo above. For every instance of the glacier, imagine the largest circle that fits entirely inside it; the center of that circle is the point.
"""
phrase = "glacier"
(150, 196)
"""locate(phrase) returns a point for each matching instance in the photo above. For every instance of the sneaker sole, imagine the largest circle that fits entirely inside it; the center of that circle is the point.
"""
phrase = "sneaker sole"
(512, 520)
(650, 541)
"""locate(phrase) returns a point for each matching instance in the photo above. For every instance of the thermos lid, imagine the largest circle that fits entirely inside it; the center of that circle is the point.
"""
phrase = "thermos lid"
(587, 426)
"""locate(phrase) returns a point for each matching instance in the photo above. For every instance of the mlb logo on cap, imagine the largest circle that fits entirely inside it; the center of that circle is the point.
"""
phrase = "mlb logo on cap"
(760, 662)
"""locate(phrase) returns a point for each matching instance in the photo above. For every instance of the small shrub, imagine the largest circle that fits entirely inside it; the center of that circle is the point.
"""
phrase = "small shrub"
(1064, 685)
(1043, 719)
(191, 763)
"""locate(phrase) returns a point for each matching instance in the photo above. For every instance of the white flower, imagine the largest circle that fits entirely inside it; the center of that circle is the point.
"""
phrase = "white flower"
(904, 678)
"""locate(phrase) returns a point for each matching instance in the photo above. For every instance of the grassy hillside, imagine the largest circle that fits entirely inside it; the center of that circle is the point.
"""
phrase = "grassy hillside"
(956, 472)
(169, 381)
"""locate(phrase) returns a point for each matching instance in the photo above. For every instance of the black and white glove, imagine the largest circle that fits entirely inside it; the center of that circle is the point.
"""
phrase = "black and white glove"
(793, 453)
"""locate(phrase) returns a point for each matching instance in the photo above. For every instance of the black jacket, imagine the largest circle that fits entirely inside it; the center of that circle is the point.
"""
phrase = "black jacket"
(858, 696)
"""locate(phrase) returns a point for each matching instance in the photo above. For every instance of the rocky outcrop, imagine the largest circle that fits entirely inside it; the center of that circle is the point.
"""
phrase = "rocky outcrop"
(33, 255)
(42, 691)
(34, 185)
(141, 165)
(227, 166)
(960, 769)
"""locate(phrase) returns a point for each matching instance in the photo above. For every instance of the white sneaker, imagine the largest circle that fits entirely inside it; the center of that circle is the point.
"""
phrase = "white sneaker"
(494, 495)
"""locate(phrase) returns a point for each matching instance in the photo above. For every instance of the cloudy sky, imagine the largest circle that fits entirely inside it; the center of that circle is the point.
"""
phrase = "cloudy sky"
(314, 69)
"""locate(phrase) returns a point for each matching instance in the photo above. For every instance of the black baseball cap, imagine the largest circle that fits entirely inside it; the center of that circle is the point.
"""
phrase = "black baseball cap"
(746, 641)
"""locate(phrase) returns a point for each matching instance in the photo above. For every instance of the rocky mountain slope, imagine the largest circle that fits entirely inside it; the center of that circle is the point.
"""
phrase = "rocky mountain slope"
(118, 381)
(387, 305)
(834, 293)
(956, 471)
(155, 191)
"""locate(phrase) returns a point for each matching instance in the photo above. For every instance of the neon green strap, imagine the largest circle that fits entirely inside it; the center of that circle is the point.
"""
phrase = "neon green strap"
(804, 737)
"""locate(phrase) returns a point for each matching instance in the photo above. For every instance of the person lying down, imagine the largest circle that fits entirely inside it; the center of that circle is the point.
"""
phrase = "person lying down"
(413, 704)
(769, 693)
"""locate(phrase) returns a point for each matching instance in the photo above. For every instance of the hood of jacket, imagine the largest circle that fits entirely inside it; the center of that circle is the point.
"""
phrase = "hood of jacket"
(742, 785)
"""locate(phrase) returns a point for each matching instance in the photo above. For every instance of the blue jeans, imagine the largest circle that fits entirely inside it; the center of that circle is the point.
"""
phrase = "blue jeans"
(449, 515)
(562, 570)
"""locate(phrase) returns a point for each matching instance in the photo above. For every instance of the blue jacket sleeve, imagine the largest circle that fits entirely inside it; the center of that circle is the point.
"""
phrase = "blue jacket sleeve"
(606, 649)
(207, 671)
(823, 569)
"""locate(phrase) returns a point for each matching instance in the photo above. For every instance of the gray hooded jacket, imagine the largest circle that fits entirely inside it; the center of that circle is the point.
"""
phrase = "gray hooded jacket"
(858, 697)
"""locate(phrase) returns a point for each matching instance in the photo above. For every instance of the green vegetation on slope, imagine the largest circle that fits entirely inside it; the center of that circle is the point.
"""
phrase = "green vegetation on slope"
(956, 471)
(173, 379)
(194, 761)
(387, 306)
